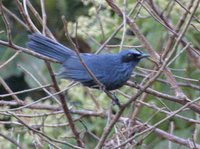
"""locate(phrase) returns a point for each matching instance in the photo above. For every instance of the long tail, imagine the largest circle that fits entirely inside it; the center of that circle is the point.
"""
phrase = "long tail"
(49, 48)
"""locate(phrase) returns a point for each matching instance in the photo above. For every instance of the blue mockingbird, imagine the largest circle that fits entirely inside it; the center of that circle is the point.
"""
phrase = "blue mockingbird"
(112, 70)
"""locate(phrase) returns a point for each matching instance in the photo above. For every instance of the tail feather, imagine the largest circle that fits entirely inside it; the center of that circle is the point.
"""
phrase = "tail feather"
(49, 48)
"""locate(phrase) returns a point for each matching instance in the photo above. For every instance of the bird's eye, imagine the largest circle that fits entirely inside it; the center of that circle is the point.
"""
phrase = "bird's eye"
(129, 55)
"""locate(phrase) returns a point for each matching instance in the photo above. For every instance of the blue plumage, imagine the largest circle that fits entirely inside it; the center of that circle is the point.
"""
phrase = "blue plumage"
(112, 70)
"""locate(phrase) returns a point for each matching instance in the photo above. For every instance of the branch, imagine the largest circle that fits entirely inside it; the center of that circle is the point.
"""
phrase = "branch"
(11, 140)
(148, 46)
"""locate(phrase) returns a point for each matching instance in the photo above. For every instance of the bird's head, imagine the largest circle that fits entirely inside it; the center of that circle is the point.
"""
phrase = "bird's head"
(132, 55)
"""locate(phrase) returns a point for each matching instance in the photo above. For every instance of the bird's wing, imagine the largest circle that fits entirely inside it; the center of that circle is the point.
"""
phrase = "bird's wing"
(73, 69)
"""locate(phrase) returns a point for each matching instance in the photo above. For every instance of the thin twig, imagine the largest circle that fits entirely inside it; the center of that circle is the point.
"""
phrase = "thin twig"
(11, 140)
(8, 89)
(7, 24)
(10, 59)
(38, 82)
(42, 134)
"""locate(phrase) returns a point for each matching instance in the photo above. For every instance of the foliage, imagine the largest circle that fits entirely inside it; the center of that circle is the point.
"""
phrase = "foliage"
(93, 22)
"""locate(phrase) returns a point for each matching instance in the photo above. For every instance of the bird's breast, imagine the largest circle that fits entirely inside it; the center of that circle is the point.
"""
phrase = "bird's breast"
(118, 77)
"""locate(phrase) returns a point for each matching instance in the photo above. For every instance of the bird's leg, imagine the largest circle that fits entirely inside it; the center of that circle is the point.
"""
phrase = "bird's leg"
(115, 100)
(102, 87)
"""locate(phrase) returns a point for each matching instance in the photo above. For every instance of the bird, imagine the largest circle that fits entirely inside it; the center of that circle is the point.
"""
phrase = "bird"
(111, 70)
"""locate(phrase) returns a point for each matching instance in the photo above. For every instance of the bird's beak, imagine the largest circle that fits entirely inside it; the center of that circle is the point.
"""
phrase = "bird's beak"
(144, 55)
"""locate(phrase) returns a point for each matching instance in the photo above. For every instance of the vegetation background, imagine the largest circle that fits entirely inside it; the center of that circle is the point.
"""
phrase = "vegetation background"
(158, 112)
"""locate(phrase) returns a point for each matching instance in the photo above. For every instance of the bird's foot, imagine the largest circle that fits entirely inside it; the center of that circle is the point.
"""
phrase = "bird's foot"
(115, 100)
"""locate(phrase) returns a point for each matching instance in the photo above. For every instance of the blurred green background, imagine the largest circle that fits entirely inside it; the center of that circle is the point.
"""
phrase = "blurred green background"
(90, 37)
